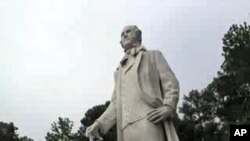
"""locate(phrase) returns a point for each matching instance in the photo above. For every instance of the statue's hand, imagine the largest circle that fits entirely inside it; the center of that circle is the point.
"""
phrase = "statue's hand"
(159, 114)
(93, 131)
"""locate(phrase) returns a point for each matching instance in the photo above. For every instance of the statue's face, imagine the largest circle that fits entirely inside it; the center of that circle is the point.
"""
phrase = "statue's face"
(128, 37)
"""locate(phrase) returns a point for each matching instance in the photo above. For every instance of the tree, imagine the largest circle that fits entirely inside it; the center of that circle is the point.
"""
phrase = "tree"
(61, 131)
(8, 132)
(25, 138)
(226, 100)
(233, 83)
(236, 52)
(199, 116)
(185, 129)
(90, 116)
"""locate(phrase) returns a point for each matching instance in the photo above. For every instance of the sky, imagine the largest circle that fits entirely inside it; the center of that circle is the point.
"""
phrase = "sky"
(57, 57)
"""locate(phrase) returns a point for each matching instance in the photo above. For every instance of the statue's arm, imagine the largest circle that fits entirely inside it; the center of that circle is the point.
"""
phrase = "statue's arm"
(168, 81)
(108, 118)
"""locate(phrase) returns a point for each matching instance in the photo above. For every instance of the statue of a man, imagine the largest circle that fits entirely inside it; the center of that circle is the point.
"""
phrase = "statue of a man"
(145, 96)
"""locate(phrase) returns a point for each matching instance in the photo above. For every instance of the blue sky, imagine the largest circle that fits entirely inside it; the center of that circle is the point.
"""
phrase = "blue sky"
(57, 57)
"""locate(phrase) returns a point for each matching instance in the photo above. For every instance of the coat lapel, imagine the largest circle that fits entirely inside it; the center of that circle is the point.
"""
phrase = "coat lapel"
(129, 66)
(138, 58)
(137, 61)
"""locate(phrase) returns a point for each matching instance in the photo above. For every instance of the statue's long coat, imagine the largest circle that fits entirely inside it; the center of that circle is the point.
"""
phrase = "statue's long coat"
(157, 84)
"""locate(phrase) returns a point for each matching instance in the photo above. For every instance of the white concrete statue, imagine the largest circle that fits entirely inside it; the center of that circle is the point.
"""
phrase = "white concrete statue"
(145, 96)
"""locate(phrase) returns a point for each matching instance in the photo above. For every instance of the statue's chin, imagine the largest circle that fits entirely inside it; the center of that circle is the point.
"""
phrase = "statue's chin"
(127, 46)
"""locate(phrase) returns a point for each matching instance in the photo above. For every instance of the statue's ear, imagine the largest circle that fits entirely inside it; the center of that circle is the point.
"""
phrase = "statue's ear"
(138, 35)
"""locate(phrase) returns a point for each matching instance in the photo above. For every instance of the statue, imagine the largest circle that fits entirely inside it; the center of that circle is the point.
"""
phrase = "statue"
(145, 95)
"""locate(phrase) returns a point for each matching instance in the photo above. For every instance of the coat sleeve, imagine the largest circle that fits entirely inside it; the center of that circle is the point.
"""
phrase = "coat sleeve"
(168, 82)
(108, 118)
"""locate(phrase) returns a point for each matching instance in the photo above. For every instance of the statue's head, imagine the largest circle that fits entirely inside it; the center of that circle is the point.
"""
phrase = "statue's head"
(130, 37)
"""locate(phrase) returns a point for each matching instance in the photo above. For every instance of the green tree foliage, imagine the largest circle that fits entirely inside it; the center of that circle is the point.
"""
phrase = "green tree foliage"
(233, 82)
(226, 100)
(8, 133)
(236, 51)
(25, 138)
(200, 121)
(61, 131)
(185, 129)
(90, 116)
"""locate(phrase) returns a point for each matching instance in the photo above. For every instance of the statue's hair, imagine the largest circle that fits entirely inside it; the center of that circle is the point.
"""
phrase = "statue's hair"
(138, 33)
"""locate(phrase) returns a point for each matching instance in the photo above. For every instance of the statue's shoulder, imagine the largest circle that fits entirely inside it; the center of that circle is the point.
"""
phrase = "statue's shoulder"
(152, 53)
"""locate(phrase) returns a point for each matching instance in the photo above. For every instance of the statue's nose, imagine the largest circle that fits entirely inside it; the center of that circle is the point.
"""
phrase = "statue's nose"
(125, 36)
